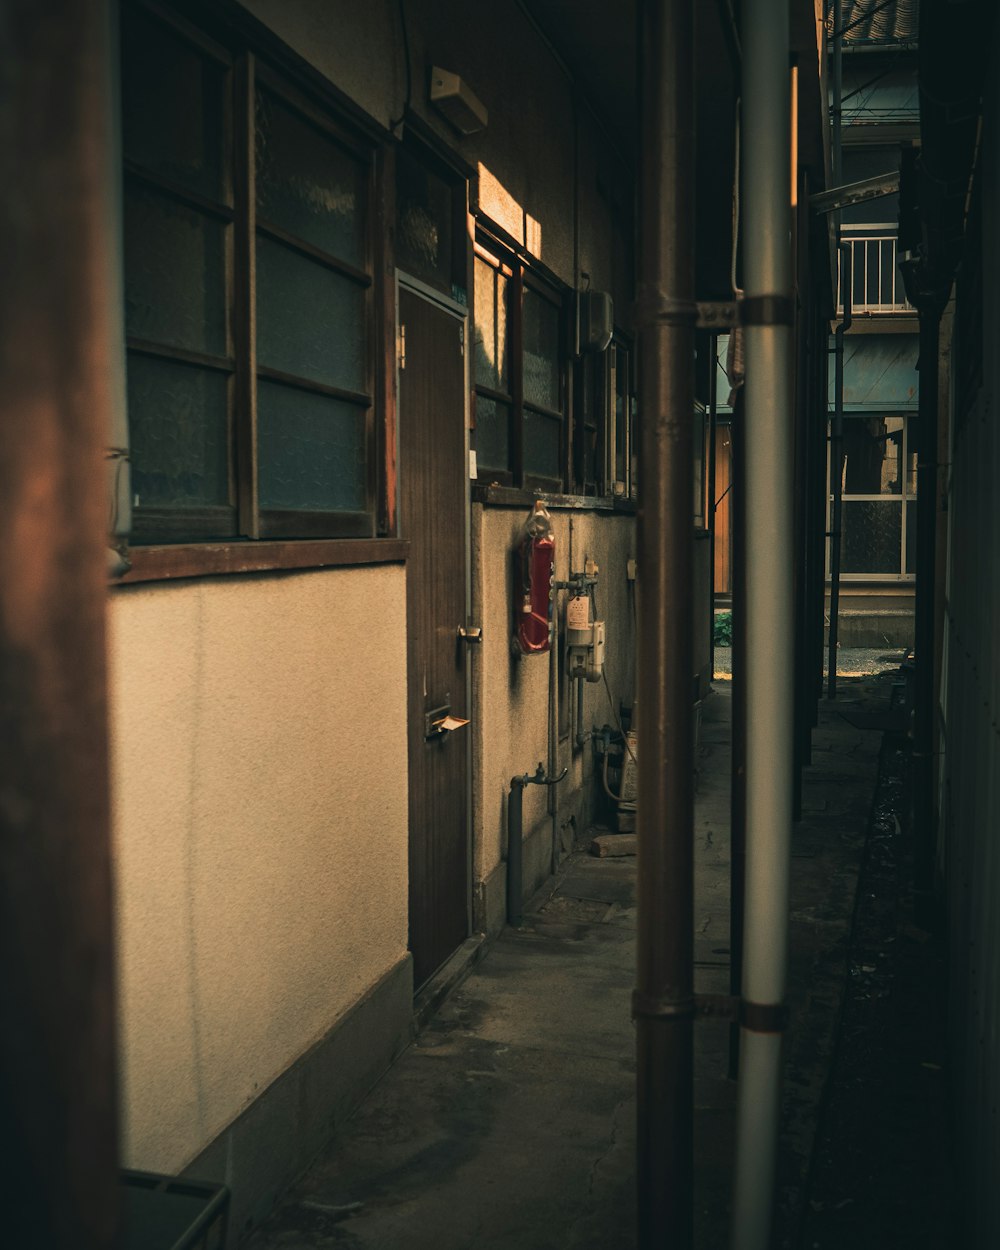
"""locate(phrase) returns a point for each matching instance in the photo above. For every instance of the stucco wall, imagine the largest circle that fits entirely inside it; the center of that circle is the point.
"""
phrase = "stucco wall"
(511, 695)
(260, 832)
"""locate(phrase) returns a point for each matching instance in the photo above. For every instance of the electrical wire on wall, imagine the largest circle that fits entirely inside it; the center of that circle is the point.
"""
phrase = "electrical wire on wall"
(404, 31)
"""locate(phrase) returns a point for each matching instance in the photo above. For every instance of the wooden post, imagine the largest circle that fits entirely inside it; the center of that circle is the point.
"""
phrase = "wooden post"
(57, 1104)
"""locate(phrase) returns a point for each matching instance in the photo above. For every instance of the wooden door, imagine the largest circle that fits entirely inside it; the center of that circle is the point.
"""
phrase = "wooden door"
(433, 482)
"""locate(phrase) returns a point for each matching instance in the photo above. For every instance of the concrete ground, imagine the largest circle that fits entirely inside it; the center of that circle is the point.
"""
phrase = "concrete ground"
(851, 661)
(508, 1124)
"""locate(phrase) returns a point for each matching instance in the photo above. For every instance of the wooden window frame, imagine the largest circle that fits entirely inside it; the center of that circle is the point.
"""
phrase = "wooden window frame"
(167, 539)
(519, 279)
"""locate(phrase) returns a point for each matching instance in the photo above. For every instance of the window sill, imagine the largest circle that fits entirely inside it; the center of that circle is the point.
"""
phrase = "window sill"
(518, 497)
(166, 563)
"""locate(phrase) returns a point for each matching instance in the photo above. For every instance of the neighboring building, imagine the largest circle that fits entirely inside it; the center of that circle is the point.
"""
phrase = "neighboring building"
(950, 200)
(879, 120)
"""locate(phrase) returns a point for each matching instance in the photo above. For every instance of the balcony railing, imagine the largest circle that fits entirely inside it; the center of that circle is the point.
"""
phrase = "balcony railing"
(878, 284)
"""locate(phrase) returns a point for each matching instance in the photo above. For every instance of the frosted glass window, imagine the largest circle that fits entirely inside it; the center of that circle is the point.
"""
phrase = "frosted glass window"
(312, 450)
(424, 223)
(541, 351)
(175, 274)
(173, 113)
(542, 438)
(872, 536)
(308, 185)
(492, 368)
(310, 320)
(492, 435)
(178, 420)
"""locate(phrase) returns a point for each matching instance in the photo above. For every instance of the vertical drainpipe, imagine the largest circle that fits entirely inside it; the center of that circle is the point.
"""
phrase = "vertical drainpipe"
(837, 433)
(924, 764)
(663, 1001)
(837, 464)
(767, 315)
(713, 418)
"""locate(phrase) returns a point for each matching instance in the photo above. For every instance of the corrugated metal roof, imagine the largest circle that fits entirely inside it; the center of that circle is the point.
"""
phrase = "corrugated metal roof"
(875, 21)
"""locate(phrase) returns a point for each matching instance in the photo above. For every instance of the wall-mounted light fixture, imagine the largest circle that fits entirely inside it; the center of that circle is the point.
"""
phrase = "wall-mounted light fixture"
(457, 103)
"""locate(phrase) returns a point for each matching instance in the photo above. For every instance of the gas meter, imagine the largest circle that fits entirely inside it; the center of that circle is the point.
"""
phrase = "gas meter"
(584, 637)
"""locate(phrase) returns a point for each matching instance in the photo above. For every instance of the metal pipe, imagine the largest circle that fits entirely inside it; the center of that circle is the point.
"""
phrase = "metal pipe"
(837, 466)
(58, 357)
(515, 838)
(770, 607)
(713, 414)
(924, 810)
(581, 737)
(663, 1001)
(515, 850)
(738, 756)
(837, 434)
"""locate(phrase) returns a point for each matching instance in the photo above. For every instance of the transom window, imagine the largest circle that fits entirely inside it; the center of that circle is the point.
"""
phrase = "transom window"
(249, 296)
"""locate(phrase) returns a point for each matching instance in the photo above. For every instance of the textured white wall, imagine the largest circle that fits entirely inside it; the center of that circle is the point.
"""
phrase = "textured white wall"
(259, 770)
(512, 694)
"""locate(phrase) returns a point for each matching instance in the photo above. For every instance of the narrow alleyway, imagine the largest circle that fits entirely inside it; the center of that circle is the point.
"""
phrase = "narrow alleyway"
(508, 1124)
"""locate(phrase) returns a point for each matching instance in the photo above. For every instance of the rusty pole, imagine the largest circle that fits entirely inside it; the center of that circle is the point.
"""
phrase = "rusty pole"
(57, 1106)
(663, 1002)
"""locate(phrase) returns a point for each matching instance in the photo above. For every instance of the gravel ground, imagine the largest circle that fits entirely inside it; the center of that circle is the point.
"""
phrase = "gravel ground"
(851, 661)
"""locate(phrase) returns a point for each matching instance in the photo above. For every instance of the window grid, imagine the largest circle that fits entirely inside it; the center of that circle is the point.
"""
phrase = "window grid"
(905, 499)
(235, 441)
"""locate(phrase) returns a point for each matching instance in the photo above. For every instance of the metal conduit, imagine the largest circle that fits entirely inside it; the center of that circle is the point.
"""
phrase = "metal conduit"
(770, 608)
(663, 1002)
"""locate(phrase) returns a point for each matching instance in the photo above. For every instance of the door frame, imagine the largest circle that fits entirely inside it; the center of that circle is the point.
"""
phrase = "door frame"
(460, 313)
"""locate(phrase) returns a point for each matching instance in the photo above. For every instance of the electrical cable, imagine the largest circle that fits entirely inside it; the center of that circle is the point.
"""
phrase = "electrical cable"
(409, 72)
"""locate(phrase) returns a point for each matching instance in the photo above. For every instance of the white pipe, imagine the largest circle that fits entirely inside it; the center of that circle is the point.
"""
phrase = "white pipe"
(767, 271)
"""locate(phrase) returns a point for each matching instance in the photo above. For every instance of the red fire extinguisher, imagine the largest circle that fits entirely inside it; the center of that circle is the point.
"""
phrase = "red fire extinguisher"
(533, 593)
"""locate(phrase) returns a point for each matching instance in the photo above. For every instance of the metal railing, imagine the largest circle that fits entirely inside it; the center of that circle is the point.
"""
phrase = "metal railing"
(878, 284)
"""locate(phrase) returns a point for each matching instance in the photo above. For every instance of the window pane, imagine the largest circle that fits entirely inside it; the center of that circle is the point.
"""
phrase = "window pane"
(541, 351)
(311, 450)
(424, 223)
(310, 320)
(172, 105)
(307, 184)
(873, 450)
(542, 436)
(491, 328)
(872, 536)
(175, 274)
(492, 435)
(179, 433)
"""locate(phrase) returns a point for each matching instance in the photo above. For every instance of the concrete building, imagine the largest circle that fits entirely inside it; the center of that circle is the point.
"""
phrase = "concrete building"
(878, 119)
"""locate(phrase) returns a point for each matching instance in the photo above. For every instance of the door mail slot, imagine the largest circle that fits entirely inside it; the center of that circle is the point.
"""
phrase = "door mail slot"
(439, 721)
(435, 718)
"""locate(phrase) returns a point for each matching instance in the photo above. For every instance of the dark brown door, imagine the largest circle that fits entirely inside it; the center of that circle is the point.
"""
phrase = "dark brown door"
(433, 482)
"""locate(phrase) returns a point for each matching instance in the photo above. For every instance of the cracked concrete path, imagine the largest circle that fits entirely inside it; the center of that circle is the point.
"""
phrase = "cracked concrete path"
(509, 1123)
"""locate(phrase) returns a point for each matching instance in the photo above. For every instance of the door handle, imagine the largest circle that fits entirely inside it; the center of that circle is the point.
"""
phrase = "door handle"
(472, 634)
